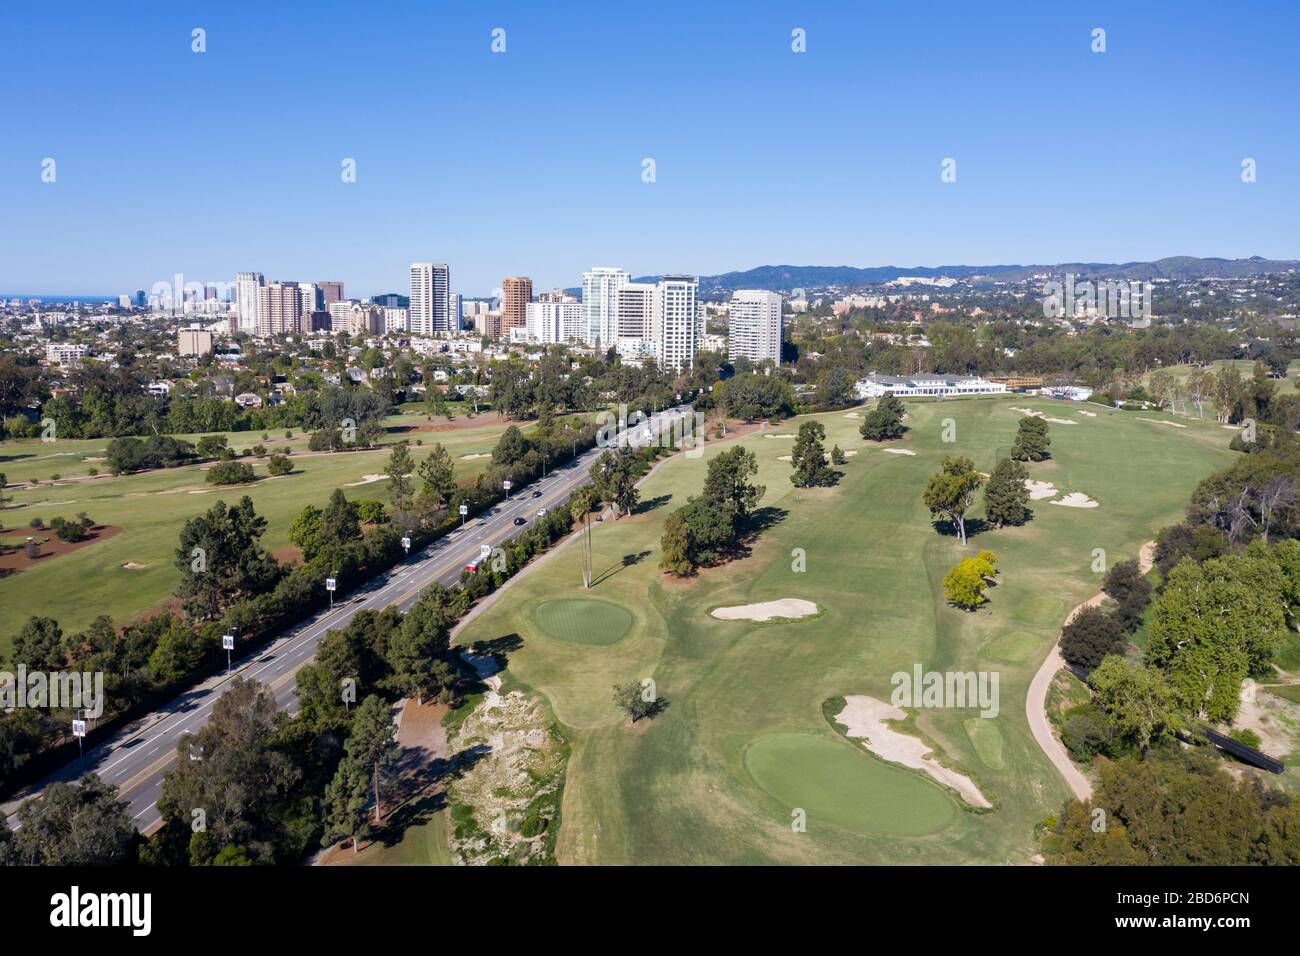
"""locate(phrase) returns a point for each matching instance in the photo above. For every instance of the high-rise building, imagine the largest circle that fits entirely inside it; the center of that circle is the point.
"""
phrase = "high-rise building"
(674, 321)
(396, 319)
(309, 298)
(453, 311)
(331, 291)
(278, 308)
(754, 326)
(430, 310)
(556, 295)
(635, 311)
(365, 318)
(516, 293)
(193, 341)
(600, 304)
(554, 322)
(246, 292)
(340, 315)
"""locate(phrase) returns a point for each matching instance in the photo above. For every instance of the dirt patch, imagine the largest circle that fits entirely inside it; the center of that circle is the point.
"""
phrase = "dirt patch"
(866, 719)
(450, 424)
(51, 547)
(288, 554)
(792, 608)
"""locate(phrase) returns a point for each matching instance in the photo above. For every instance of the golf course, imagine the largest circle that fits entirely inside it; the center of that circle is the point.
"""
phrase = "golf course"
(134, 570)
(745, 763)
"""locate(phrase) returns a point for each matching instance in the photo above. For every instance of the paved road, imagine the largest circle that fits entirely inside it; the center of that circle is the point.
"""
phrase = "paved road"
(135, 758)
(1036, 700)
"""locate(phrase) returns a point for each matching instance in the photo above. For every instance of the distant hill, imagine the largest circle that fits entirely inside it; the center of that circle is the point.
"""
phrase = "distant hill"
(785, 278)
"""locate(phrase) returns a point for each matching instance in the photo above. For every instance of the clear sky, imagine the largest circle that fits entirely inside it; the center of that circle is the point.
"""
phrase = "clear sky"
(529, 162)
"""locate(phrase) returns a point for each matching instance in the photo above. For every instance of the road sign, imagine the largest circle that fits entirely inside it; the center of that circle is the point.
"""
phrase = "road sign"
(78, 728)
(464, 509)
(329, 584)
(227, 642)
(406, 543)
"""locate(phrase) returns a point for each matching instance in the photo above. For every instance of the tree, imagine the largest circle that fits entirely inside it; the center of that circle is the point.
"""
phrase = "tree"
(230, 473)
(339, 521)
(211, 446)
(1138, 697)
(399, 470)
(965, 583)
(837, 456)
(510, 448)
(808, 458)
(306, 531)
(1032, 440)
(437, 478)
(38, 646)
(675, 546)
(372, 743)
(417, 648)
(614, 476)
(278, 465)
(1089, 636)
(728, 482)
(1006, 499)
(636, 700)
(345, 800)
(219, 558)
(951, 492)
(1130, 589)
(75, 824)
(885, 421)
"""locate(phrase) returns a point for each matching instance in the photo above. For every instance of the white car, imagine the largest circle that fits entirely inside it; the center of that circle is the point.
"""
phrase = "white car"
(541, 512)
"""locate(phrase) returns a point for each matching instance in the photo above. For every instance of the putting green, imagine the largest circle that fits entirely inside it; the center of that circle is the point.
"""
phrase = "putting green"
(836, 783)
(1041, 609)
(583, 621)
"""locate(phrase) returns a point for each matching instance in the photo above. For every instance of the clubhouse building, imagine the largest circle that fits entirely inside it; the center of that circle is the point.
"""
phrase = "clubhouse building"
(940, 386)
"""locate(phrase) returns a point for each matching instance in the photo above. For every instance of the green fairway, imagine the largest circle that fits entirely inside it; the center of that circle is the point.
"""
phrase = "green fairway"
(837, 784)
(677, 790)
(583, 622)
(151, 507)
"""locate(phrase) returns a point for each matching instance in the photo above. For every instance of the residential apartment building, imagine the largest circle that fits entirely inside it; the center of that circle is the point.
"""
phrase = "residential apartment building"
(193, 341)
(754, 326)
(551, 323)
(600, 304)
(516, 293)
(278, 308)
(430, 309)
(247, 285)
(676, 316)
(331, 291)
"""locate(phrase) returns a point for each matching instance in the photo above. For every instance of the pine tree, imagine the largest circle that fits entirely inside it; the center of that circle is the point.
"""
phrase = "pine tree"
(1006, 499)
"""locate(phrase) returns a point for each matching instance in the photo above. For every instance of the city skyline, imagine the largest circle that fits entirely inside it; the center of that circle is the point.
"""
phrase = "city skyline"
(1052, 153)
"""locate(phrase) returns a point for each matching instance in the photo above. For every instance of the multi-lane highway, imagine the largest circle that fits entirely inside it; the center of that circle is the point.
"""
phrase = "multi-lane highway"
(135, 759)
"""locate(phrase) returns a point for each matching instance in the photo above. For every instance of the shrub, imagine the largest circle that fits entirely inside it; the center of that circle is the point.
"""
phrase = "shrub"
(230, 473)
(1092, 635)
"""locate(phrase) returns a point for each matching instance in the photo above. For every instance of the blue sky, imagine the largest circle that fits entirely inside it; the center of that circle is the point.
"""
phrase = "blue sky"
(529, 162)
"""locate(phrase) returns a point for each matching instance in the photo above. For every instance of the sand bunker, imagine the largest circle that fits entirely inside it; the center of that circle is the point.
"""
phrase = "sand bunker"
(1040, 489)
(786, 607)
(484, 454)
(782, 435)
(900, 451)
(1033, 414)
(365, 480)
(785, 458)
(851, 415)
(864, 719)
(1089, 414)
(1075, 499)
(132, 566)
(1161, 421)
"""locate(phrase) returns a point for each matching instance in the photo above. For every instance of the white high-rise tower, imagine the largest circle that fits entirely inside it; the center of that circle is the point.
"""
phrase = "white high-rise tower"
(754, 326)
(674, 321)
(247, 285)
(600, 304)
(430, 307)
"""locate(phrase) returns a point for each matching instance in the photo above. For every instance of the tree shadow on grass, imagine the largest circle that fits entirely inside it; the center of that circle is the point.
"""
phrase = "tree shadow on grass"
(650, 504)
(974, 526)
(628, 560)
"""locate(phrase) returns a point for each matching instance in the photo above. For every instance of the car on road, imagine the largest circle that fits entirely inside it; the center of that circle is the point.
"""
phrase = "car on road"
(537, 494)
(520, 521)
(541, 512)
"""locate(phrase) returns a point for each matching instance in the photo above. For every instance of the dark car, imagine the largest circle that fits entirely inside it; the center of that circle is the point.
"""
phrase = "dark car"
(537, 494)
(520, 521)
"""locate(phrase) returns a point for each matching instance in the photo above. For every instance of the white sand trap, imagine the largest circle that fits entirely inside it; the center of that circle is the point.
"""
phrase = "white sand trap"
(900, 451)
(132, 566)
(1161, 421)
(786, 607)
(483, 454)
(1075, 499)
(1060, 421)
(864, 719)
(365, 480)
(1040, 489)
(850, 453)
(782, 435)
(852, 415)
(1089, 414)
(1231, 428)
(1027, 411)
(785, 457)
